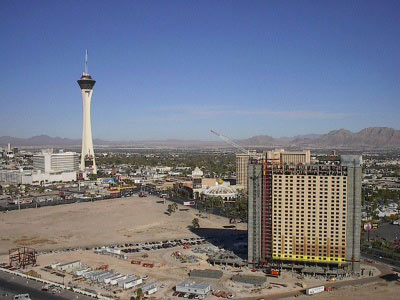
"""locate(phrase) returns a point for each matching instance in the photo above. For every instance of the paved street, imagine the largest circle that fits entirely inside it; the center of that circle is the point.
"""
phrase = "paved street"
(12, 285)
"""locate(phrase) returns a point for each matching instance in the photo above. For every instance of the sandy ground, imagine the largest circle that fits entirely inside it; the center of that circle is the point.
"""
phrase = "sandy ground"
(98, 223)
(373, 291)
(168, 272)
(136, 220)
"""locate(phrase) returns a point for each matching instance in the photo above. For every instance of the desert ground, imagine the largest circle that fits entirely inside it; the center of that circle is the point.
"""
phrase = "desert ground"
(133, 220)
(98, 223)
(379, 290)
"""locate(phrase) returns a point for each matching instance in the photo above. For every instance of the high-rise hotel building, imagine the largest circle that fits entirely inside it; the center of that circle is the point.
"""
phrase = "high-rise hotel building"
(49, 162)
(304, 212)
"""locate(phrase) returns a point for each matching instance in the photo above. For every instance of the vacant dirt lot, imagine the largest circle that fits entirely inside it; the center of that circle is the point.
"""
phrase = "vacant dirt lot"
(373, 291)
(98, 223)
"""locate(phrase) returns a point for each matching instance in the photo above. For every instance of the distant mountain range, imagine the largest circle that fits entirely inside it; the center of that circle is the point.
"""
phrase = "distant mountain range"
(373, 137)
(370, 138)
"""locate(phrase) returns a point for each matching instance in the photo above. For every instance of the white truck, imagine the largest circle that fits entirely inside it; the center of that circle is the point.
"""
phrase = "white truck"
(315, 290)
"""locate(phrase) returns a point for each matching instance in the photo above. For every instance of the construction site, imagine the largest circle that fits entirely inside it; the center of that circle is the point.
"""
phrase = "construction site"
(125, 254)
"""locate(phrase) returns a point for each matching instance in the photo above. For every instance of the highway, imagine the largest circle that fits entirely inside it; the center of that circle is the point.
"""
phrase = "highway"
(11, 285)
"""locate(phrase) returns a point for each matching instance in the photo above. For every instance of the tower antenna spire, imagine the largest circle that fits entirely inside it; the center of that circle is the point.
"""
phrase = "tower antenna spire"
(86, 63)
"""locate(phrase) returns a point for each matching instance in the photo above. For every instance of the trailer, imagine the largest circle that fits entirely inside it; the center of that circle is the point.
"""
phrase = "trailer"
(315, 290)
(80, 272)
(116, 276)
(149, 288)
(118, 279)
(112, 275)
(129, 278)
(151, 291)
(89, 274)
(132, 283)
(102, 277)
(94, 277)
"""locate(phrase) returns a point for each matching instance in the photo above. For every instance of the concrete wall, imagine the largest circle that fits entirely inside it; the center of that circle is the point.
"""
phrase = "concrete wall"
(353, 228)
(255, 175)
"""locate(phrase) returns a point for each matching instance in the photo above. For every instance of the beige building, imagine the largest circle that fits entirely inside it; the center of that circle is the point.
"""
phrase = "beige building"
(309, 219)
(289, 157)
(242, 163)
(306, 213)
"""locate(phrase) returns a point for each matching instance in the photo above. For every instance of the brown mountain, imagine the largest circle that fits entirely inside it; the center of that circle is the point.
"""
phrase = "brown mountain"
(374, 137)
(371, 138)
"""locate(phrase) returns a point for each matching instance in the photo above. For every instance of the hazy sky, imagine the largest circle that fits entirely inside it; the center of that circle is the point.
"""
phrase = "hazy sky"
(175, 69)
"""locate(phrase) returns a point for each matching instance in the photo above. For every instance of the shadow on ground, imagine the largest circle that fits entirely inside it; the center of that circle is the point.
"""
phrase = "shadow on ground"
(230, 239)
(390, 277)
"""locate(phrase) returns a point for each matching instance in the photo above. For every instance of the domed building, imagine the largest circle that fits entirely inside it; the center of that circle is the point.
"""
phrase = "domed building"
(223, 191)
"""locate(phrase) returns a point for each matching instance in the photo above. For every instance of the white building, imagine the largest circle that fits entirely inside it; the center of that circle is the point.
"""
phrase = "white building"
(11, 176)
(34, 177)
(192, 287)
(49, 162)
(69, 266)
(149, 288)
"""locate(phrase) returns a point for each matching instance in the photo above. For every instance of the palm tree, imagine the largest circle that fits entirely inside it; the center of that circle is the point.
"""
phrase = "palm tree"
(170, 209)
(139, 294)
(195, 223)
(174, 206)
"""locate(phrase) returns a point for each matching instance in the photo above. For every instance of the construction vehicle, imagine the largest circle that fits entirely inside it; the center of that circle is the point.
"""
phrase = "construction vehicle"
(103, 267)
(272, 272)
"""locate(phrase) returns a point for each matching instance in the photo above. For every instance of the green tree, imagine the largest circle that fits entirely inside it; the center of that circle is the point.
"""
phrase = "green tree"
(139, 294)
(195, 223)
(170, 210)
(92, 176)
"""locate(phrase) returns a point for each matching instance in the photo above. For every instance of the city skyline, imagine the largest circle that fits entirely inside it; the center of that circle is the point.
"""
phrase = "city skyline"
(175, 70)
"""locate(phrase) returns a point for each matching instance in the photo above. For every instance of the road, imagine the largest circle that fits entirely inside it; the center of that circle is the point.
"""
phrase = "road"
(12, 285)
(384, 270)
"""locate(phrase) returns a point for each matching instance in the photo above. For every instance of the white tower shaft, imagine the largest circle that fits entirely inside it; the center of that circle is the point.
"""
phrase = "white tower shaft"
(87, 139)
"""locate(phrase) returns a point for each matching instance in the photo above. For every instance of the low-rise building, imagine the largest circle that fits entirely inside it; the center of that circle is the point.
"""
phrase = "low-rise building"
(193, 287)
(69, 266)
(149, 288)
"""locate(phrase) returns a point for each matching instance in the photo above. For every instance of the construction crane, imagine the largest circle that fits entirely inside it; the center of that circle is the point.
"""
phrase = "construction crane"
(232, 143)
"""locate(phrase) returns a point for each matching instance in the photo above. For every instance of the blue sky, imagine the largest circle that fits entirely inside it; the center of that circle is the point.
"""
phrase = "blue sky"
(175, 69)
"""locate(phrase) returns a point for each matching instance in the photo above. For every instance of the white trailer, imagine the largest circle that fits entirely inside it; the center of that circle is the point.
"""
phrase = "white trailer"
(118, 279)
(315, 290)
(55, 265)
(88, 274)
(80, 272)
(121, 283)
(112, 276)
(101, 278)
(132, 283)
(149, 288)
(151, 291)
(94, 277)
(114, 251)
